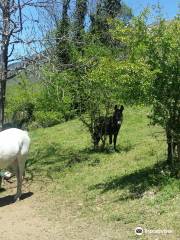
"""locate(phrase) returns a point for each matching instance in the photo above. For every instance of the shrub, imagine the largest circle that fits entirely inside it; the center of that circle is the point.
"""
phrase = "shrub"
(48, 118)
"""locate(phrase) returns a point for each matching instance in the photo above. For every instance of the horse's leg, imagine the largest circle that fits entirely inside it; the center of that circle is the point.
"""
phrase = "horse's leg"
(96, 145)
(115, 139)
(103, 141)
(20, 165)
(96, 142)
(110, 138)
(17, 172)
(0, 181)
(178, 151)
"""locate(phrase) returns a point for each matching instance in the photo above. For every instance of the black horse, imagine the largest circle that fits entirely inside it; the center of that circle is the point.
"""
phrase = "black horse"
(108, 126)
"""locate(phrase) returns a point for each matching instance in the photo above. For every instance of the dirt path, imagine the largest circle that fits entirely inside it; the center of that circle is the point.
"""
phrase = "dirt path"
(24, 221)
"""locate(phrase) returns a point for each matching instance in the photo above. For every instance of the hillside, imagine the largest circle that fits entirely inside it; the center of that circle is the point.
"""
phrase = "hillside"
(126, 188)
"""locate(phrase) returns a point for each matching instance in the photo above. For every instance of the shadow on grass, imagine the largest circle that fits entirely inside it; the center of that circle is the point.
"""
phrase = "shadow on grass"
(125, 148)
(7, 200)
(52, 158)
(137, 183)
(109, 149)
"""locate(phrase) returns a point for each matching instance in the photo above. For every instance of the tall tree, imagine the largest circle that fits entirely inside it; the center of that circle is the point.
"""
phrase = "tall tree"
(111, 8)
(80, 14)
(99, 20)
(62, 34)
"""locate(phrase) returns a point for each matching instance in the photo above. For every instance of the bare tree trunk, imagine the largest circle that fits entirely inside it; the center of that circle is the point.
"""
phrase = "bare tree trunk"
(178, 151)
(4, 69)
(4, 56)
(2, 102)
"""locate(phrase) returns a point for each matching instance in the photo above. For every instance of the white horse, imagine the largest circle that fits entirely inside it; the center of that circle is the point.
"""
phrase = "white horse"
(14, 147)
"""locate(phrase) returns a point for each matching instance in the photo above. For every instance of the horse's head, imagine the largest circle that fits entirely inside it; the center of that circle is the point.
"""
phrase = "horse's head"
(117, 116)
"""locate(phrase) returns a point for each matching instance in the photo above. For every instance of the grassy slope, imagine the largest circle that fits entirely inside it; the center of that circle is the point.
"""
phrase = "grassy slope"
(125, 187)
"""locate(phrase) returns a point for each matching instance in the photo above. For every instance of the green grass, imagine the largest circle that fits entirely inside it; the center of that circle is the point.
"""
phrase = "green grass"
(131, 187)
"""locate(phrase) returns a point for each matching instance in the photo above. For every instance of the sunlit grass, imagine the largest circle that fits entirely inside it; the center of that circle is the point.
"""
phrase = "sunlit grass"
(131, 187)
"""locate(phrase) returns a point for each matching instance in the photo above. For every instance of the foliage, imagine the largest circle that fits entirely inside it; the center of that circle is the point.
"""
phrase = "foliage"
(163, 53)
(110, 8)
(20, 94)
(79, 21)
(99, 20)
(55, 101)
(63, 46)
(50, 98)
(47, 118)
(157, 46)
(122, 81)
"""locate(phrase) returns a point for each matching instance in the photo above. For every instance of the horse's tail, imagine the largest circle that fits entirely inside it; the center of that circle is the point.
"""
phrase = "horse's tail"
(25, 143)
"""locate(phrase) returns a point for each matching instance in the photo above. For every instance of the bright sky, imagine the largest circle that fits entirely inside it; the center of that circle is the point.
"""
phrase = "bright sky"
(169, 7)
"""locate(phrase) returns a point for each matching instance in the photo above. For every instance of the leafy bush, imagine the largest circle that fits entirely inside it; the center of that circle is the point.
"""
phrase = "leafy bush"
(47, 118)
(19, 96)
(50, 98)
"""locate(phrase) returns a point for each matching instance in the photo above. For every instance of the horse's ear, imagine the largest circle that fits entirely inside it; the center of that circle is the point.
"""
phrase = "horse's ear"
(122, 108)
(115, 107)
